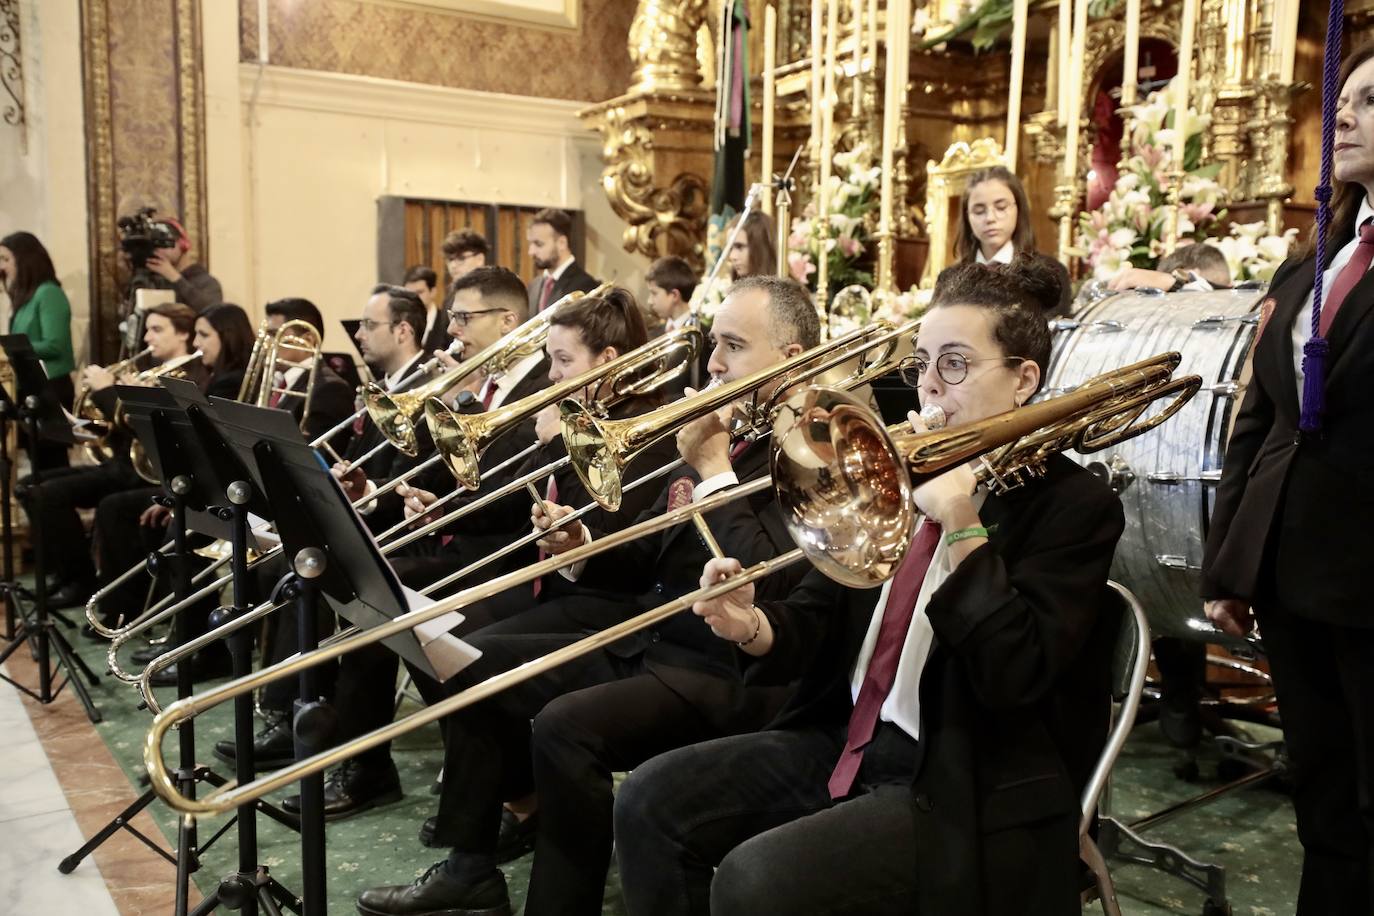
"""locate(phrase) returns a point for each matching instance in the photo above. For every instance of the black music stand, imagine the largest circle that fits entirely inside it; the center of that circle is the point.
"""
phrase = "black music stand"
(42, 417)
(333, 556)
(174, 450)
(222, 472)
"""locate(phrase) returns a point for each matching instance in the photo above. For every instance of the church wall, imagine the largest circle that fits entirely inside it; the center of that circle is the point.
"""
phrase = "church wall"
(297, 160)
(413, 43)
(42, 163)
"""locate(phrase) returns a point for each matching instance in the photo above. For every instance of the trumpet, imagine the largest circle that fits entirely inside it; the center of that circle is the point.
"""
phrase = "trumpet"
(831, 455)
(397, 415)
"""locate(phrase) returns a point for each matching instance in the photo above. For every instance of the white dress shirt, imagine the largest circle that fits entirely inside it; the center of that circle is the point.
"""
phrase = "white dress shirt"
(505, 382)
(903, 704)
(1302, 325)
(1005, 255)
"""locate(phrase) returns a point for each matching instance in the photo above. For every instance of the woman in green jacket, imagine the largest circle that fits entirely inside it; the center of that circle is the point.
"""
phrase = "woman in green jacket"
(40, 310)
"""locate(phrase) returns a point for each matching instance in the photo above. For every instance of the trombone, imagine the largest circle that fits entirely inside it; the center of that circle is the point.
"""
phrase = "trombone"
(804, 367)
(397, 415)
(461, 438)
(831, 456)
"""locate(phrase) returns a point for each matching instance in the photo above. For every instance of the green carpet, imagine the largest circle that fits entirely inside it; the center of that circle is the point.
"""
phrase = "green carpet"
(1251, 833)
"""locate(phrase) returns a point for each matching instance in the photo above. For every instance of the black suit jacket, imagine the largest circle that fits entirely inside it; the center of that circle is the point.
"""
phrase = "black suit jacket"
(331, 401)
(1291, 519)
(437, 338)
(574, 279)
(1014, 696)
(390, 462)
(682, 651)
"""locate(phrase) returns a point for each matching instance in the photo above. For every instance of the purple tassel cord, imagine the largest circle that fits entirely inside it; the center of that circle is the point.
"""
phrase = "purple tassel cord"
(1315, 352)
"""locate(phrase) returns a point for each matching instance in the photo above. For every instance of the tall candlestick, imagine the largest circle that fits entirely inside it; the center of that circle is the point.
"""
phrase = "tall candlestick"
(856, 23)
(1130, 64)
(891, 104)
(1074, 106)
(1285, 37)
(770, 53)
(817, 38)
(1065, 43)
(873, 37)
(1183, 81)
(1018, 68)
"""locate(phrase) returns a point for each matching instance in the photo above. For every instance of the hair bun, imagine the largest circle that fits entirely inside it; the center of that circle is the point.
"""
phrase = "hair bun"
(1040, 282)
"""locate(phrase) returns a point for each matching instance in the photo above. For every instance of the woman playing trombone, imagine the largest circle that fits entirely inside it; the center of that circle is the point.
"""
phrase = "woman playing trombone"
(931, 759)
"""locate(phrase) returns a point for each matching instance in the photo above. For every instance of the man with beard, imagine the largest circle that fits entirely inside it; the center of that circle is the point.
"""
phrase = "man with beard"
(559, 273)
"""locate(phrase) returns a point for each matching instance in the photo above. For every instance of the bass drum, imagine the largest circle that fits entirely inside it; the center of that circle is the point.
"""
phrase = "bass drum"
(1167, 477)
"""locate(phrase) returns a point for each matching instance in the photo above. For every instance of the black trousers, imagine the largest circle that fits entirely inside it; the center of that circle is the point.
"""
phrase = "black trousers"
(746, 825)
(51, 455)
(121, 543)
(591, 717)
(56, 498)
(1324, 679)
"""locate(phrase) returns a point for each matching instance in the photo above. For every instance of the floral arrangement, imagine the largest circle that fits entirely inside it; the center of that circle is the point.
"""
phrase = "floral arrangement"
(855, 307)
(852, 195)
(1251, 253)
(1128, 229)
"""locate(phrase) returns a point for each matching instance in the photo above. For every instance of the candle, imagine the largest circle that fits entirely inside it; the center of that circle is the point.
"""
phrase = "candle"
(1182, 82)
(816, 40)
(832, 20)
(1018, 69)
(873, 36)
(856, 23)
(1065, 41)
(1130, 65)
(890, 107)
(1286, 37)
(770, 53)
(1075, 101)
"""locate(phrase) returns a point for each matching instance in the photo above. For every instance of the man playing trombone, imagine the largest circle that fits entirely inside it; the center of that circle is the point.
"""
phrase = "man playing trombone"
(611, 709)
(933, 756)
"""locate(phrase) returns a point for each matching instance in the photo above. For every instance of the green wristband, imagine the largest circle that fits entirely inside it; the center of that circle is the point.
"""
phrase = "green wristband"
(963, 534)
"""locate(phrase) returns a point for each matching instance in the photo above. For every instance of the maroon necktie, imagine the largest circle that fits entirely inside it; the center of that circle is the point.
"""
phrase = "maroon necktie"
(547, 292)
(276, 397)
(882, 667)
(550, 496)
(1352, 273)
(488, 393)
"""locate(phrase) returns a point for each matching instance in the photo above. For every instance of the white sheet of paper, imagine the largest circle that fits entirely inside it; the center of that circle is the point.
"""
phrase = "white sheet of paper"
(446, 652)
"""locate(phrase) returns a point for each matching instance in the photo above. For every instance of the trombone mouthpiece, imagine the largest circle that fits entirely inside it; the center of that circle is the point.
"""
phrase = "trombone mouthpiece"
(933, 416)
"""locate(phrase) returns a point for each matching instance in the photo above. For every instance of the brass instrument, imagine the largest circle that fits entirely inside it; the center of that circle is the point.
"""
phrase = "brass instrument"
(172, 368)
(460, 438)
(814, 363)
(831, 455)
(295, 336)
(84, 408)
(397, 415)
(600, 449)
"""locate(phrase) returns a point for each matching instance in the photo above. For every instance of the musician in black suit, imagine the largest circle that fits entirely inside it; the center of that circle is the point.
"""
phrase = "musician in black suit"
(932, 757)
(1290, 536)
(127, 524)
(558, 272)
(331, 400)
(424, 282)
(613, 708)
(388, 336)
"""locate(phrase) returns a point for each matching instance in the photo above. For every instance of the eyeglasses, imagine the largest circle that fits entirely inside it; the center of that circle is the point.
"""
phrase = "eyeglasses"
(370, 325)
(951, 367)
(462, 318)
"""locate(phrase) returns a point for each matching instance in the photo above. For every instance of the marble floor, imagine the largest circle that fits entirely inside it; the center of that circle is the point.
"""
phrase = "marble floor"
(58, 785)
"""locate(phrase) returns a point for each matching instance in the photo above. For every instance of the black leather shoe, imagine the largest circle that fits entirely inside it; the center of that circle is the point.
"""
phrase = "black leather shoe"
(273, 746)
(515, 839)
(72, 594)
(352, 789)
(438, 893)
(202, 669)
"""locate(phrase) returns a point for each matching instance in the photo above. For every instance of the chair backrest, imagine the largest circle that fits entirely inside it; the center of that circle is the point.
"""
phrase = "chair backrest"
(1130, 658)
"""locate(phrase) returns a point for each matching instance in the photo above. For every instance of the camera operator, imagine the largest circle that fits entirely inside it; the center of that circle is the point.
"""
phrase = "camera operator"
(157, 250)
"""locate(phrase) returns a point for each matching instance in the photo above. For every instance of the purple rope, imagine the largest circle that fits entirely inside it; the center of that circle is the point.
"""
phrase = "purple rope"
(1315, 352)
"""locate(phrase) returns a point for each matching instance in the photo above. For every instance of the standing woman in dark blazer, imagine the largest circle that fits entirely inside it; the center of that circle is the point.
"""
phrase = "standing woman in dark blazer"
(995, 227)
(1291, 540)
(40, 310)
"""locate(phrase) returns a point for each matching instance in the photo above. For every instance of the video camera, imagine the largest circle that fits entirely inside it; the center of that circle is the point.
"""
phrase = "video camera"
(140, 236)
